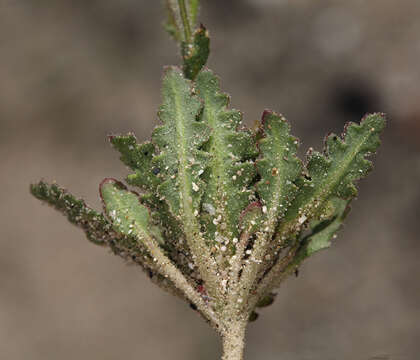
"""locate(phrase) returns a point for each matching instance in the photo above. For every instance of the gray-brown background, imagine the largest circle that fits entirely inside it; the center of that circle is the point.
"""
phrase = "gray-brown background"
(73, 71)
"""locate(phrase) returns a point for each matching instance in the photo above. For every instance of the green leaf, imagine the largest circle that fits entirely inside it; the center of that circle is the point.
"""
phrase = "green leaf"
(278, 167)
(196, 53)
(137, 157)
(230, 169)
(96, 227)
(333, 173)
(179, 139)
(128, 215)
(320, 238)
(324, 231)
(146, 177)
(195, 43)
(250, 220)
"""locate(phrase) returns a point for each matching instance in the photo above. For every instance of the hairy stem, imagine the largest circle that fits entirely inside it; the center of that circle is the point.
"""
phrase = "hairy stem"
(234, 341)
(237, 264)
(169, 270)
(251, 269)
(185, 20)
(276, 275)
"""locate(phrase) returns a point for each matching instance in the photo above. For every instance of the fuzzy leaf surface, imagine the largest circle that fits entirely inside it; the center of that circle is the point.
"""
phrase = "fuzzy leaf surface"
(324, 231)
(138, 157)
(230, 170)
(196, 53)
(179, 139)
(278, 167)
(96, 227)
(128, 215)
(320, 238)
(333, 173)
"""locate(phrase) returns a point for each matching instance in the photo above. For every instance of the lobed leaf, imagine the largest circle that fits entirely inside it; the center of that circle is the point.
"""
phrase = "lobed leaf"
(137, 157)
(278, 168)
(333, 173)
(95, 226)
(179, 139)
(326, 188)
(128, 216)
(182, 162)
(230, 169)
(195, 53)
(197, 179)
(146, 177)
(99, 230)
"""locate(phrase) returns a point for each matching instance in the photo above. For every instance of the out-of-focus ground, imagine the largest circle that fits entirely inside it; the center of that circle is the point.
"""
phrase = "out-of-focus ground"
(73, 71)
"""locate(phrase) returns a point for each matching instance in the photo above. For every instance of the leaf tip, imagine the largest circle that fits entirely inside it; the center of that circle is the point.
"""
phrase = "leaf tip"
(110, 181)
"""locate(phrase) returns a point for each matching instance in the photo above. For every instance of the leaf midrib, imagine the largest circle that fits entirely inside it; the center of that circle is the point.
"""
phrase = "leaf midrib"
(331, 184)
(218, 164)
(185, 182)
(275, 203)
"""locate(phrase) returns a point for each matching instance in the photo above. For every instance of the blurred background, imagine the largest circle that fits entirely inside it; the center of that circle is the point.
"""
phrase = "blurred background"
(73, 71)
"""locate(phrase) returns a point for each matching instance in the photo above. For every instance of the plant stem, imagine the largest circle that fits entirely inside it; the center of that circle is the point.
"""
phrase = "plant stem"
(185, 20)
(234, 341)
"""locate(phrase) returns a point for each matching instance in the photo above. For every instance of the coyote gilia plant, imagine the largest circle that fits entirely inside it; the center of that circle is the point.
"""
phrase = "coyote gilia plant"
(220, 215)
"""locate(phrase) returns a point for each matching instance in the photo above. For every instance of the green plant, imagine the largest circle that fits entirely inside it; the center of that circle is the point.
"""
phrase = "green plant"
(223, 214)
